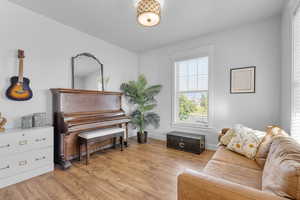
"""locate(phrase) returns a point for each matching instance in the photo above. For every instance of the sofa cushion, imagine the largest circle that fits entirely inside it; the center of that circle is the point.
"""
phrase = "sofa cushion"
(264, 147)
(225, 155)
(234, 173)
(281, 174)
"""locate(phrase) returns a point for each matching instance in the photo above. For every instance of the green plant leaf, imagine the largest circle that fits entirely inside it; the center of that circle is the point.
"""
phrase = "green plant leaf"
(149, 107)
(152, 91)
(152, 119)
(141, 83)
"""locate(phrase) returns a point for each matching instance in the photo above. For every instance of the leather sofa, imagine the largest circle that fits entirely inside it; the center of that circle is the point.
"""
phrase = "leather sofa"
(228, 176)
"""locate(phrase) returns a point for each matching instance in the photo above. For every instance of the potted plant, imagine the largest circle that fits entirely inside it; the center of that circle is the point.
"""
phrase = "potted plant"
(142, 96)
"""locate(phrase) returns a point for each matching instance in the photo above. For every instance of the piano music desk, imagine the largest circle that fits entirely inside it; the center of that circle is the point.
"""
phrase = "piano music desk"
(99, 136)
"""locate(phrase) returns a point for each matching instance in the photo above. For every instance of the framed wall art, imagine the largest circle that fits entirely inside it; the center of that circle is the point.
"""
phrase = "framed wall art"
(242, 80)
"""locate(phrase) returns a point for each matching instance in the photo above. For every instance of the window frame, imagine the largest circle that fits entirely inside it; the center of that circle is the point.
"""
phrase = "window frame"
(296, 10)
(206, 51)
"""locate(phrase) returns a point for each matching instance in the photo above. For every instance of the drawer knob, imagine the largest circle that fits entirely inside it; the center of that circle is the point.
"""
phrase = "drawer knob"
(7, 167)
(41, 158)
(23, 163)
(5, 146)
(23, 142)
(181, 144)
(40, 140)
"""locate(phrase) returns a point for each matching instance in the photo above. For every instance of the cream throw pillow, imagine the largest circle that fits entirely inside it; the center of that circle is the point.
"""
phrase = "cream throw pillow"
(246, 142)
(225, 139)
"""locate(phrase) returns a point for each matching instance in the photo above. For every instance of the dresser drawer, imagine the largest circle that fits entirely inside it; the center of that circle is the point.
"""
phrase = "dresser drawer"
(25, 140)
(7, 144)
(13, 165)
(41, 139)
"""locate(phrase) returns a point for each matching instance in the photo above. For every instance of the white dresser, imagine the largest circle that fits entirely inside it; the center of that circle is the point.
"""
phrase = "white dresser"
(25, 153)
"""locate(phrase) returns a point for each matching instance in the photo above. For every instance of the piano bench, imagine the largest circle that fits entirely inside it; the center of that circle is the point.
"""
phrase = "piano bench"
(98, 136)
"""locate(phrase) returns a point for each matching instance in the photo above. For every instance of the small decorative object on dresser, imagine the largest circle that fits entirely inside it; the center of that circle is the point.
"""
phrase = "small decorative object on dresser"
(25, 153)
(27, 121)
(2, 123)
(34, 120)
(39, 119)
(186, 142)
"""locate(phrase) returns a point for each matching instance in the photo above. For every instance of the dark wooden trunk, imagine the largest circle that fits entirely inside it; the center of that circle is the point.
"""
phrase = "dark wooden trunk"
(186, 142)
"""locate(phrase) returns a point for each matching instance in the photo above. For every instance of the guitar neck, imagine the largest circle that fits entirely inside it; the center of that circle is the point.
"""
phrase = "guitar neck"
(21, 70)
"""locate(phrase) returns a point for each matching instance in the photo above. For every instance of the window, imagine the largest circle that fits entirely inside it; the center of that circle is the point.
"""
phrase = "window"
(191, 96)
(295, 124)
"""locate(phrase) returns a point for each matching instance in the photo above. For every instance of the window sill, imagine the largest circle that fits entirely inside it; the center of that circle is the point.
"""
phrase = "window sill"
(194, 126)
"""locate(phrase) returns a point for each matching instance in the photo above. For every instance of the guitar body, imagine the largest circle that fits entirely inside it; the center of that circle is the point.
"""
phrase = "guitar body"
(19, 91)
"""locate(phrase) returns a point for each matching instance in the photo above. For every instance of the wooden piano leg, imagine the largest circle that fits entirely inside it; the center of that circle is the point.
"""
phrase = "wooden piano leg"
(121, 142)
(126, 141)
(114, 142)
(64, 164)
(87, 152)
(79, 151)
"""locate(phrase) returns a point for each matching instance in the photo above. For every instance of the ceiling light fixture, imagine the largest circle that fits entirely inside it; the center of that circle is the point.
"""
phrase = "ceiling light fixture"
(148, 12)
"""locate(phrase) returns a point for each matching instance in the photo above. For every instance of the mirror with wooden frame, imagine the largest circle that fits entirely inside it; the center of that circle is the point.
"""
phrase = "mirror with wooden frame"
(87, 72)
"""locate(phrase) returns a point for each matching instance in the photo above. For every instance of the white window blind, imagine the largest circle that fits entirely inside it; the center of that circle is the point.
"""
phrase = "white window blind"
(295, 124)
(192, 90)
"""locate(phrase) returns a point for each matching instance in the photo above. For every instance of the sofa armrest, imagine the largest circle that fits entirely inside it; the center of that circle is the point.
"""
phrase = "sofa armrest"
(199, 186)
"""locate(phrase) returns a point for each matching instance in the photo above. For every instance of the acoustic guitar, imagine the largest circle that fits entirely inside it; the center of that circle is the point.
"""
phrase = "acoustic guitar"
(19, 89)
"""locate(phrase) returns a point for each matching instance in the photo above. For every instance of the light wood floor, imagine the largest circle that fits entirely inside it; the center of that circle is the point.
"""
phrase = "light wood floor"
(141, 172)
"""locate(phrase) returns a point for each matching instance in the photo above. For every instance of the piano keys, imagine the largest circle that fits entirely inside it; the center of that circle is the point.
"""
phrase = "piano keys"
(78, 111)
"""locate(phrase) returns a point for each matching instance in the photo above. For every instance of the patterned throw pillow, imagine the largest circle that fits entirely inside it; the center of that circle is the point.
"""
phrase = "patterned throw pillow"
(264, 147)
(225, 139)
(230, 133)
(246, 142)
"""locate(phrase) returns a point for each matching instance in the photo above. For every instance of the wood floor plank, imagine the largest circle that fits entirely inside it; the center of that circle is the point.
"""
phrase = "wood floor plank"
(142, 171)
(55, 189)
(11, 193)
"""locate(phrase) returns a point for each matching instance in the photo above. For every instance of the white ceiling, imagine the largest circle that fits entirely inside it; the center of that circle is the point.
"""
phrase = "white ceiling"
(115, 20)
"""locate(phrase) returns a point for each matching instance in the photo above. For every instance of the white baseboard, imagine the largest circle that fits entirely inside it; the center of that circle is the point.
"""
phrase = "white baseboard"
(157, 136)
(212, 147)
(25, 176)
(131, 134)
(163, 137)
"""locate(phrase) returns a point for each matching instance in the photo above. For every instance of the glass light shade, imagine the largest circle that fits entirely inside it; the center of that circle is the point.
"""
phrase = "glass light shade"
(148, 12)
(148, 19)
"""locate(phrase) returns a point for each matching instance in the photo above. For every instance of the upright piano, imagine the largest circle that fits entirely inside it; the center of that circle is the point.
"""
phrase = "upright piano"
(77, 111)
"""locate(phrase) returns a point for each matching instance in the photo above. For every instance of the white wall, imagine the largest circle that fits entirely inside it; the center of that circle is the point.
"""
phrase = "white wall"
(287, 64)
(49, 46)
(255, 44)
